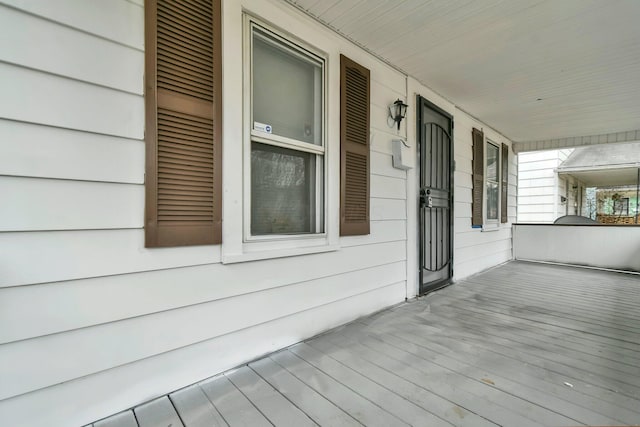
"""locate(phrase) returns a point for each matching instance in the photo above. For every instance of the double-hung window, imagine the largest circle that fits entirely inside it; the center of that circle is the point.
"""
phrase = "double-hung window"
(490, 177)
(492, 182)
(285, 159)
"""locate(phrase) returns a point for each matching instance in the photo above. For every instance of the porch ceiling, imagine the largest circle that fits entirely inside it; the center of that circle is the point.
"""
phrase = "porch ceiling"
(599, 166)
(605, 177)
(533, 69)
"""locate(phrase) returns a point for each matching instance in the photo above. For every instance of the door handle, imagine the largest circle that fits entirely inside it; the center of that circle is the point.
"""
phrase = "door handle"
(425, 199)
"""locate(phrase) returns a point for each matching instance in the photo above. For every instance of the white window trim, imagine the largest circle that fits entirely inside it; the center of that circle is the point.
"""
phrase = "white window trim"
(238, 244)
(491, 224)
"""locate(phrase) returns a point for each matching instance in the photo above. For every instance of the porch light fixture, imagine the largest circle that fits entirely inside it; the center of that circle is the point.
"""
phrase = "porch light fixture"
(398, 111)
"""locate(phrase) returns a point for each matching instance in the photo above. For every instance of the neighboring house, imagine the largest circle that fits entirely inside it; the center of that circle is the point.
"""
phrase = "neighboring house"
(589, 181)
(543, 194)
(186, 187)
(614, 172)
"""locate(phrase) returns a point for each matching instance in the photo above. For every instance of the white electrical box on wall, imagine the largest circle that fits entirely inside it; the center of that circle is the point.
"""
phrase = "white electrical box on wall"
(400, 154)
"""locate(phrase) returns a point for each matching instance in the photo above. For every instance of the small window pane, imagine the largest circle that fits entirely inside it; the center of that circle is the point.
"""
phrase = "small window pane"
(493, 196)
(287, 90)
(492, 162)
(492, 200)
(285, 197)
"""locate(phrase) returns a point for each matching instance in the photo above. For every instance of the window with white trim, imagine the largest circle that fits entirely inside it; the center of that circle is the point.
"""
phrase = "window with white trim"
(492, 182)
(286, 153)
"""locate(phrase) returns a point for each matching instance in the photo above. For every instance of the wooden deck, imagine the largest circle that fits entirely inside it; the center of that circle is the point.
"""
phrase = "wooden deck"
(522, 344)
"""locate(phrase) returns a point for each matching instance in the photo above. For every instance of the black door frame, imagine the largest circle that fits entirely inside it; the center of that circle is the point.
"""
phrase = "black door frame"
(422, 103)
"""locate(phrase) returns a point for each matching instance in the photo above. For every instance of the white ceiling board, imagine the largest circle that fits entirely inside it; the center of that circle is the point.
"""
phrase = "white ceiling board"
(533, 69)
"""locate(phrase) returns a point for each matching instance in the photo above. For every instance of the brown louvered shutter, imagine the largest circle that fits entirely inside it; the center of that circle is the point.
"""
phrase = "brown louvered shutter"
(354, 148)
(478, 177)
(504, 185)
(183, 118)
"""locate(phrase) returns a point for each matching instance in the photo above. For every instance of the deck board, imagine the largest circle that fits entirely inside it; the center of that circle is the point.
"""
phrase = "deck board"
(365, 411)
(319, 409)
(123, 419)
(234, 406)
(195, 409)
(398, 406)
(448, 410)
(496, 404)
(557, 336)
(524, 344)
(157, 413)
(277, 408)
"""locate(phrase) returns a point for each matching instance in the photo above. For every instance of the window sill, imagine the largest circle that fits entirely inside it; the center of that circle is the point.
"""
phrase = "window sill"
(495, 227)
(251, 254)
(490, 229)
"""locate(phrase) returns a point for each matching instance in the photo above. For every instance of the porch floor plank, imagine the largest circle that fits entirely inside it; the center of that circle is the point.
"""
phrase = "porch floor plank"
(277, 408)
(158, 412)
(195, 409)
(360, 408)
(523, 344)
(234, 406)
(397, 405)
(123, 419)
(321, 410)
(562, 338)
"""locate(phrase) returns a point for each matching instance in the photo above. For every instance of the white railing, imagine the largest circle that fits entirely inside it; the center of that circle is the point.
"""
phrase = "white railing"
(606, 246)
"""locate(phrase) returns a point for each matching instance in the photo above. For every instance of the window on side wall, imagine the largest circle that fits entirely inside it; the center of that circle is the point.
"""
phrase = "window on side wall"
(490, 177)
(285, 189)
(492, 182)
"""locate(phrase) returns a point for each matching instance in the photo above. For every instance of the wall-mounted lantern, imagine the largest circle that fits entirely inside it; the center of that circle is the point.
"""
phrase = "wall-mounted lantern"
(398, 111)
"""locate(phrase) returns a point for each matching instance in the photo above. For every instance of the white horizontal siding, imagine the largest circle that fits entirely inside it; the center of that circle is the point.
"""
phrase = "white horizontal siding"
(538, 190)
(31, 311)
(488, 260)
(382, 164)
(388, 209)
(526, 192)
(46, 152)
(67, 255)
(537, 174)
(540, 182)
(116, 343)
(381, 231)
(538, 200)
(83, 400)
(525, 166)
(44, 45)
(35, 204)
(477, 249)
(40, 97)
(119, 20)
(387, 188)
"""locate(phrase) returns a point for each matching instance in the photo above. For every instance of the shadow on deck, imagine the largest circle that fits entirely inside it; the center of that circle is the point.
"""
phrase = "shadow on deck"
(522, 344)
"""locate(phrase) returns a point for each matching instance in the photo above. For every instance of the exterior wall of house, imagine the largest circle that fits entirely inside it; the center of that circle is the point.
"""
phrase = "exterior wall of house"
(474, 249)
(92, 322)
(478, 249)
(541, 190)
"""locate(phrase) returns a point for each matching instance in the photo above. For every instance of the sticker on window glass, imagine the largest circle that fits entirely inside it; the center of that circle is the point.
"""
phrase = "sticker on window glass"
(262, 127)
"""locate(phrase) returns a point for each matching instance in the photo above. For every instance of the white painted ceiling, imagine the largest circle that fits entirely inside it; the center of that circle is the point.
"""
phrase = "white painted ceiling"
(533, 69)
